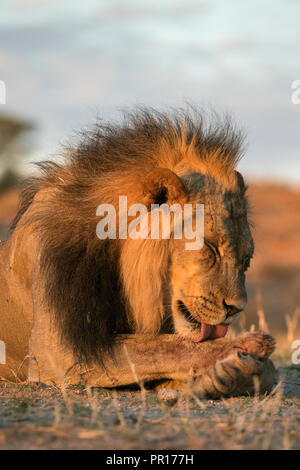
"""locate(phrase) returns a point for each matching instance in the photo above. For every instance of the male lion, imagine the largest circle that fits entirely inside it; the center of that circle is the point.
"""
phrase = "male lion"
(74, 307)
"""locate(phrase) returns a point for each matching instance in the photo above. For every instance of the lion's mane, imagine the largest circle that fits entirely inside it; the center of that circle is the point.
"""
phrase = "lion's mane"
(98, 290)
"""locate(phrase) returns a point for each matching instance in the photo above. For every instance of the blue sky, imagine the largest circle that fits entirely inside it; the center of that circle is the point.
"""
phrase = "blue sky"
(64, 63)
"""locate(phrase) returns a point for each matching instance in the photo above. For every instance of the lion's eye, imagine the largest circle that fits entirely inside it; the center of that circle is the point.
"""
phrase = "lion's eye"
(218, 251)
(247, 260)
(213, 248)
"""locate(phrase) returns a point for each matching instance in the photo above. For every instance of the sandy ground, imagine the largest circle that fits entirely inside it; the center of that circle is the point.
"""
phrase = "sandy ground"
(39, 417)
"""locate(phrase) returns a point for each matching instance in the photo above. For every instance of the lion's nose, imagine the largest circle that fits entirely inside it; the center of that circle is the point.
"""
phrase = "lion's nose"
(234, 306)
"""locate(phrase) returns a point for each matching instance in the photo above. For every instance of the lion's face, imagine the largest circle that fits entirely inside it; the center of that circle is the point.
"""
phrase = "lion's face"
(202, 290)
(208, 285)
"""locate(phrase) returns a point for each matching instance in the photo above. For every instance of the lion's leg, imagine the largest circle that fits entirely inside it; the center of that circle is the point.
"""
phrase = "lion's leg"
(136, 357)
(141, 357)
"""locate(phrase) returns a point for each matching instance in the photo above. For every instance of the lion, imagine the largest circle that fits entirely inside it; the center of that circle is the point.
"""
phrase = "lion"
(110, 312)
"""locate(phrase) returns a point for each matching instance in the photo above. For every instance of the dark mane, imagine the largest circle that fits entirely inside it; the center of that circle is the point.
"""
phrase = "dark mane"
(81, 273)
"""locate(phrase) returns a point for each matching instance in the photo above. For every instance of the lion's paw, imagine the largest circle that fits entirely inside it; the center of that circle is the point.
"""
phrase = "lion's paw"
(237, 374)
(258, 344)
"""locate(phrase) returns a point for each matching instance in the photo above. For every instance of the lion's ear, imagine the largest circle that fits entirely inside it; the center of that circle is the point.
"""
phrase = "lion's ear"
(162, 186)
(240, 182)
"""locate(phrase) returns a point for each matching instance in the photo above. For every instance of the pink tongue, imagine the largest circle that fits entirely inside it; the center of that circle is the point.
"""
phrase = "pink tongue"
(211, 332)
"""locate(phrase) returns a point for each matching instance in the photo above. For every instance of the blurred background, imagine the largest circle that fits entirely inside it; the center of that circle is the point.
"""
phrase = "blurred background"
(62, 64)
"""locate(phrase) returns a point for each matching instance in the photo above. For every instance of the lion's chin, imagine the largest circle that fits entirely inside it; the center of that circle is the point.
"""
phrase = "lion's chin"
(211, 332)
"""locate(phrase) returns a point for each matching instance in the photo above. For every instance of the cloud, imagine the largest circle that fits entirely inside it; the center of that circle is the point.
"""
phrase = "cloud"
(30, 6)
(133, 10)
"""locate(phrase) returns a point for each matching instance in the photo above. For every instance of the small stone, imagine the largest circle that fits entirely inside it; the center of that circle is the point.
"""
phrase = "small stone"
(167, 396)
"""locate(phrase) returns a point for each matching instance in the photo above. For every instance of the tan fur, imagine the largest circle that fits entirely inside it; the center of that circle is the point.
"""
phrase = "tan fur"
(143, 273)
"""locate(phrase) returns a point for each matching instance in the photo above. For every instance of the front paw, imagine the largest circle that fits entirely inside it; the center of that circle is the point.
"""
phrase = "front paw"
(238, 374)
(257, 344)
(257, 374)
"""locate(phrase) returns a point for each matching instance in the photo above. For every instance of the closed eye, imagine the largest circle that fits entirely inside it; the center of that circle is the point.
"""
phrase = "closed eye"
(213, 248)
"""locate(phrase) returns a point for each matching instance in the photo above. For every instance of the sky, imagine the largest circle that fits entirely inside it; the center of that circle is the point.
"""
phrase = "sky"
(66, 63)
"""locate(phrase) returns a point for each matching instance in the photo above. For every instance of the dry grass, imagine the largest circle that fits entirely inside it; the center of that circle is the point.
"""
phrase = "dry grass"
(34, 417)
